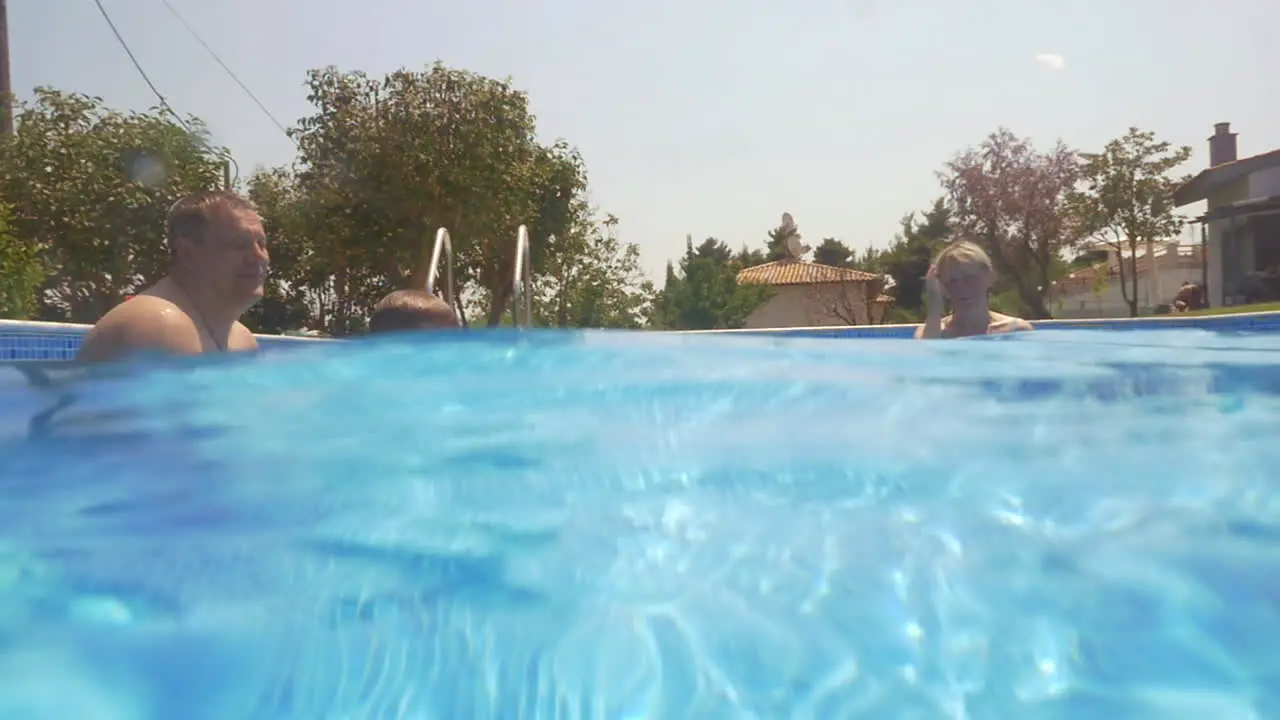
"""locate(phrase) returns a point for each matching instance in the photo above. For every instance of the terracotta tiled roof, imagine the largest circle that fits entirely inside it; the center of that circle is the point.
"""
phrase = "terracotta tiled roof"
(799, 272)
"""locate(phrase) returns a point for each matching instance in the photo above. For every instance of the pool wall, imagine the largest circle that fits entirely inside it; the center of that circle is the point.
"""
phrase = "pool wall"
(21, 340)
(1251, 322)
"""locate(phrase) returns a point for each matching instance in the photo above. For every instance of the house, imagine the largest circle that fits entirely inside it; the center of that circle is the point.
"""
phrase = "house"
(1241, 224)
(1096, 291)
(808, 294)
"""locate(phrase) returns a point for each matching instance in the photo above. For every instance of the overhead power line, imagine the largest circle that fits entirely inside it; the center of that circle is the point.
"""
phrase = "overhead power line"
(138, 66)
(230, 73)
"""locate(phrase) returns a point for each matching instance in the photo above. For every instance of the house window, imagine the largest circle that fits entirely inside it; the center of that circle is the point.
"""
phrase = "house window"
(1266, 241)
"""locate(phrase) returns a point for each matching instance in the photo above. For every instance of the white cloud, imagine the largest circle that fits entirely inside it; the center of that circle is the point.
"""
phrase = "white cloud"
(1052, 61)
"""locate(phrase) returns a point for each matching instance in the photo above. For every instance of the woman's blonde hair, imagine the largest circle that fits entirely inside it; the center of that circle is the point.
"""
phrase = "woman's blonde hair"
(963, 251)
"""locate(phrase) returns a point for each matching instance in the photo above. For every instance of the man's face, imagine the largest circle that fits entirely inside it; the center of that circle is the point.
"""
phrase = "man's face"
(232, 256)
(964, 282)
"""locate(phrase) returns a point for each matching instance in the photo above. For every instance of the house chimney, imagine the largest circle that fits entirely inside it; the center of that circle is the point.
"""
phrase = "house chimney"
(1222, 145)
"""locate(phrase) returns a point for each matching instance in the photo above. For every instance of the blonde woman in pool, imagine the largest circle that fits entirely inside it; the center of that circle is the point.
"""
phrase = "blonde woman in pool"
(962, 273)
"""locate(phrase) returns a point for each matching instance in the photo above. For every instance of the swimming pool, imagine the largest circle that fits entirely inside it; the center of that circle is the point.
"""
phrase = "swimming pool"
(616, 525)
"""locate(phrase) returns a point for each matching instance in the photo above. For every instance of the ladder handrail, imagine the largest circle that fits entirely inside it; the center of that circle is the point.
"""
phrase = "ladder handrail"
(522, 282)
(443, 243)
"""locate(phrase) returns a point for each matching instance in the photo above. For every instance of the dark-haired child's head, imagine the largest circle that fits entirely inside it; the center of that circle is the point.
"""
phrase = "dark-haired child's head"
(405, 310)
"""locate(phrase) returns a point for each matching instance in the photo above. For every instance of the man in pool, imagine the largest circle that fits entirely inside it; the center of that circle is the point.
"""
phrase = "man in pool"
(218, 262)
(405, 310)
(962, 273)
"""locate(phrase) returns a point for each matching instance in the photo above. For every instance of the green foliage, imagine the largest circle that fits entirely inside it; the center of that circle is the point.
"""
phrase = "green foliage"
(834, 253)
(286, 305)
(382, 164)
(1126, 199)
(594, 280)
(776, 247)
(1013, 200)
(21, 273)
(704, 293)
(385, 162)
(747, 257)
(89, 188)
(908, 258)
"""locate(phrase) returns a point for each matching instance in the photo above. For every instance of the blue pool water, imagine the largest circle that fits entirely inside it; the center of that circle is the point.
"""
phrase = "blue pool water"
(1067, 524)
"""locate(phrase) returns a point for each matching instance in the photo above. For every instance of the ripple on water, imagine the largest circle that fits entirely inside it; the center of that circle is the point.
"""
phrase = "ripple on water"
(621, 527)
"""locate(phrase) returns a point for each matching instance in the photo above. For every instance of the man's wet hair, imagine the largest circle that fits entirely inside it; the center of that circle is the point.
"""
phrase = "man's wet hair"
(405, 310)
(190, 215)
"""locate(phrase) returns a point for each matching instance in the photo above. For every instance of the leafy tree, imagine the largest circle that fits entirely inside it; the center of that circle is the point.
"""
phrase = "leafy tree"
(89, 187)
(776, 247)
(835, 253)
(21, 273)
(870, 259)
(908, 257)
(1126, 200)
(284, 304)
(704, 293)
(747, 257)
(384, 163)
(592, 273)
(319, 277)
(1013, 201)
(598, 284)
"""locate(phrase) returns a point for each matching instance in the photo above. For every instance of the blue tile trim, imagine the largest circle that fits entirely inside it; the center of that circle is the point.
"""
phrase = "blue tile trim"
(59, 342)
(54, 341)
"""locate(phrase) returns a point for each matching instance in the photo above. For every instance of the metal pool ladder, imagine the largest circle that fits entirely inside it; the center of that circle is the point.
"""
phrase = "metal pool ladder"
(443, 244)
(522, 282)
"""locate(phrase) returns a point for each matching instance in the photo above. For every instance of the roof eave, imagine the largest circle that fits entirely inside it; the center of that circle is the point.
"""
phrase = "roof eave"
(803, 283)
(1207, 180)
(1245, 208)
(1193, 190)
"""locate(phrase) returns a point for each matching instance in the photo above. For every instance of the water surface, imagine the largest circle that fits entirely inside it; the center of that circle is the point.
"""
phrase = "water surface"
(607, 525)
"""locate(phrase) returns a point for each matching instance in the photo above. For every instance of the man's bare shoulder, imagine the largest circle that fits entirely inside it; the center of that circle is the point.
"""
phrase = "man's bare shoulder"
(145, 322)
(147, 313)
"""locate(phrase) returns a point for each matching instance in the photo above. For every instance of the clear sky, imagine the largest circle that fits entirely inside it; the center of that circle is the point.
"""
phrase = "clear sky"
(713, 117)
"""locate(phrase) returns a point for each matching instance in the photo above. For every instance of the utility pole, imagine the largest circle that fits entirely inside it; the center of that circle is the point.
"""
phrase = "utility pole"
(6, 83)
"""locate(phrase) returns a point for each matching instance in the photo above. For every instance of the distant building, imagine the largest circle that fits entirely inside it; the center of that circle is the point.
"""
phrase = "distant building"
(808, 294)
(1096, 292)
(1242, 219)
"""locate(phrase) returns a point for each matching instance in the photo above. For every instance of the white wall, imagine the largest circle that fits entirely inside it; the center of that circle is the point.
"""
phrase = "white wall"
(818, 305)
(1213, 261)
(1264, 183)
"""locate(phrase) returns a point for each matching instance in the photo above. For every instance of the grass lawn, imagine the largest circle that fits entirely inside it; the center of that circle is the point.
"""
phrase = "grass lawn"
(1237, 309)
